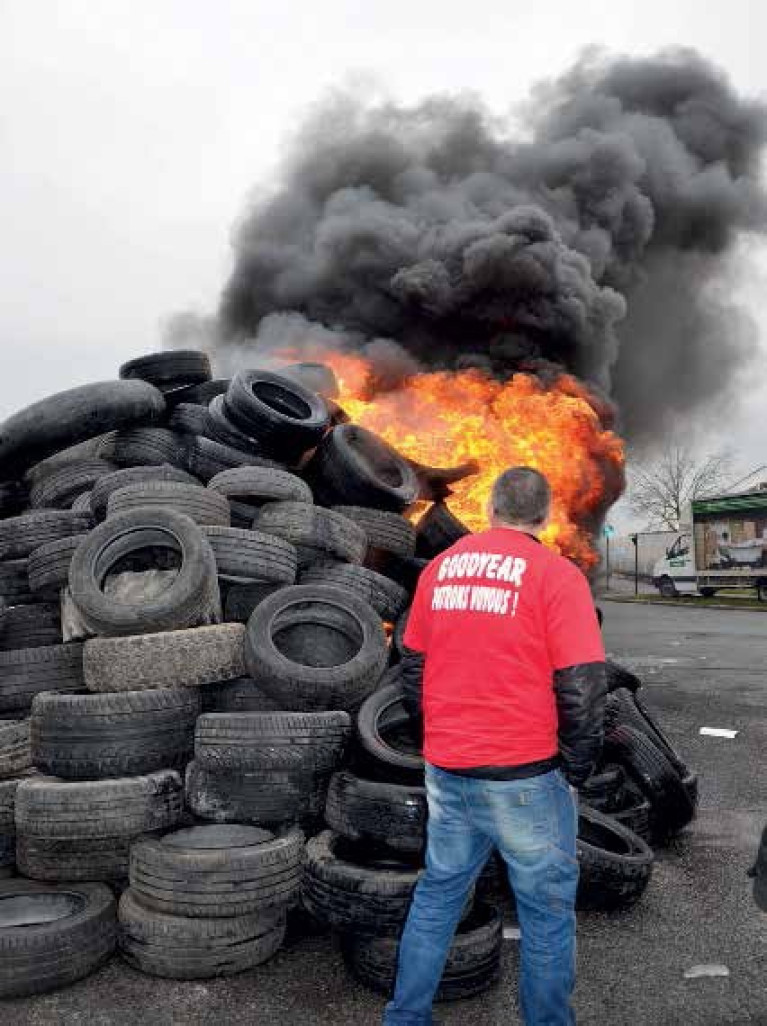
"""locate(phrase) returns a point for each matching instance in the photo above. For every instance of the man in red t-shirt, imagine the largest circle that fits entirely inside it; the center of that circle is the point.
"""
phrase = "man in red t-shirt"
(504, 655)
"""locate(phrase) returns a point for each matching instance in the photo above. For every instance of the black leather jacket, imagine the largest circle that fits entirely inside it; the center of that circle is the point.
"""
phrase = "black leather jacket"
(580, 694)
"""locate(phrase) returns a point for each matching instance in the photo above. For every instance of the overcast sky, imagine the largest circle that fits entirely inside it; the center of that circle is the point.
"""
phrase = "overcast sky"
(132, 133)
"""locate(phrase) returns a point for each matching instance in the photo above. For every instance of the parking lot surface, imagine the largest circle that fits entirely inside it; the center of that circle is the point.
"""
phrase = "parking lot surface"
(701, 667)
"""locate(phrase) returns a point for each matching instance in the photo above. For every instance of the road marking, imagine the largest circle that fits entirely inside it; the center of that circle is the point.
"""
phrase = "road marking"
(718, 732)
(511, 933)
(697, 971)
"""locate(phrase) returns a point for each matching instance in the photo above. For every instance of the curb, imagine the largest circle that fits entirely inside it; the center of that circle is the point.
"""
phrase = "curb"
(676, 604)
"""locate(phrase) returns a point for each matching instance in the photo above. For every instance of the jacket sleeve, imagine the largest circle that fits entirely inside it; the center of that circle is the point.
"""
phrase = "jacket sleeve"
(411, 676)
(580, 693)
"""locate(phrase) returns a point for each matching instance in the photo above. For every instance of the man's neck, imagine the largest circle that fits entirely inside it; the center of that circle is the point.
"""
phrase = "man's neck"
(533, 530)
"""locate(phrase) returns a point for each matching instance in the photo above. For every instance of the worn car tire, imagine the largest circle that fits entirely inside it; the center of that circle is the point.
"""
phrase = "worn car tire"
(244, 555)
(473, 963)
(198, 503)
(384, 595)
(183, 948)
(70, 417)
(52, 935)
(144, 447)
(32, 626)
(206, 458)
(191, 597)
(387, 745)
(177, 368)
(389, 815)
(322, 531)
(15, 588)
(619, 677)
(25, 672)
(615, 864)
(230, 741)
(354, 467)
(83, 830)
(90, 737)
(240, 600)
(285, 417)
(60, 488)
(179, 660)
(259, 485)
(651, 770)
(604, 789)
(264, 796)
(354, 890)
(331, 651)
(218, 870)
(437, 530)
(386, 531)
(19, 536)
(15, 749)
(239, 695)
(130, 476)
(190, 419)
(48, 566)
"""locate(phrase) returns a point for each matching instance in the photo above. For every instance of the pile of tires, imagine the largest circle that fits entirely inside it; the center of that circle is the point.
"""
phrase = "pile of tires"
(203, 592)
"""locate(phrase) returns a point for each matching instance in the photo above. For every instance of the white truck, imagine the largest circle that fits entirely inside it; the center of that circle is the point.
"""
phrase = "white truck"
(726, 547)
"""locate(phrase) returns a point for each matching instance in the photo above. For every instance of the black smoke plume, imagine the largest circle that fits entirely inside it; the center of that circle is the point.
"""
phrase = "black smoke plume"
(594, 242)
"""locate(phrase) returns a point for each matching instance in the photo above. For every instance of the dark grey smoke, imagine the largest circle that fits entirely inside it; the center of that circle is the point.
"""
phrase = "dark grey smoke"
(595, 243)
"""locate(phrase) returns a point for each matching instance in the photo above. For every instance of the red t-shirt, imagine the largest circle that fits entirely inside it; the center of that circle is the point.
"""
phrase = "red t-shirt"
(495, 615)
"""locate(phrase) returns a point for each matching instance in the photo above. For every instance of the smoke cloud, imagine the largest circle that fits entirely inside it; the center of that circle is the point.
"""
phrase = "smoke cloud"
(594, 242)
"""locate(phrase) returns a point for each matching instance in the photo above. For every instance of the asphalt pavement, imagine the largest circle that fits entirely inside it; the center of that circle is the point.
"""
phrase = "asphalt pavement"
(701, 668)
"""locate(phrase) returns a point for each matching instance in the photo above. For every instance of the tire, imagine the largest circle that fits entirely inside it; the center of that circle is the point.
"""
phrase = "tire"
(226, 431)
(650, 769)
(19, 536)
(332, 648)
(26, 672)
(385, 596)
(60, 488)
(761, 591)
(237, 696)
(91, 737)
(388, 815)
(14, 583)
(473, 963)
(181, 948)
(206, 458)
(354, 467)
(82, 504)
(189, 419)
(708, 592)
(70, 417)
(84, 830)
(176, 368)
(191, 597)
(635, 813)
(14, 498)
(398, 635)
(218, 870)
(145, 447)
(437, 530)
(603, 790)
(325, 532)
(615, 864)
(240, 600)
(259, 485)
(30, 627)
(235, 741)
(624, 708)
(198, 395)
(51, 935)
(15, 751)
(353, 891)
(252, 556)
(385, 531)
(130, 476)
(282, 414)
(201, 505)
(48, 566)
(177, 660)
(667, 588)
(264, 797)
(619, 677)
(382, 724)
(8, 790)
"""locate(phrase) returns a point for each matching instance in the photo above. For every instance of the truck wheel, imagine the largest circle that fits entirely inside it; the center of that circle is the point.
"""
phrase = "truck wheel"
(761, 591)
(710, 592)
(667, 588)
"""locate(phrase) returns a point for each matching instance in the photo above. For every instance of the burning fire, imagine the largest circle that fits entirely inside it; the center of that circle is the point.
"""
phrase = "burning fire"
(442, 418)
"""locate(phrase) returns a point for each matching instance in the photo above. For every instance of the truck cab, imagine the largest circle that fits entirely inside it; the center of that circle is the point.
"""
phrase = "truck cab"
(675, 574)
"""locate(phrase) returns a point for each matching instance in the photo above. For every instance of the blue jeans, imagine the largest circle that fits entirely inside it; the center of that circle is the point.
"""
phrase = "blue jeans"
(533, 823)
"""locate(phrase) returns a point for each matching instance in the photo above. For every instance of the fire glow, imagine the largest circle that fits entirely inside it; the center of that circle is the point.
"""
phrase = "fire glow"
(443, 418)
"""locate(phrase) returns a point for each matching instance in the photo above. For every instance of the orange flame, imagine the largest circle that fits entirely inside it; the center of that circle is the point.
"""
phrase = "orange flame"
(443, 418)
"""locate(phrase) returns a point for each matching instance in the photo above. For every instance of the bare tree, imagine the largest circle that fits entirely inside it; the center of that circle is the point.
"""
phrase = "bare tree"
(662, 488)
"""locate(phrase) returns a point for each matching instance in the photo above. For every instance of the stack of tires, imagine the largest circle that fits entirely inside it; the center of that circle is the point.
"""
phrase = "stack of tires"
(198, 580)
